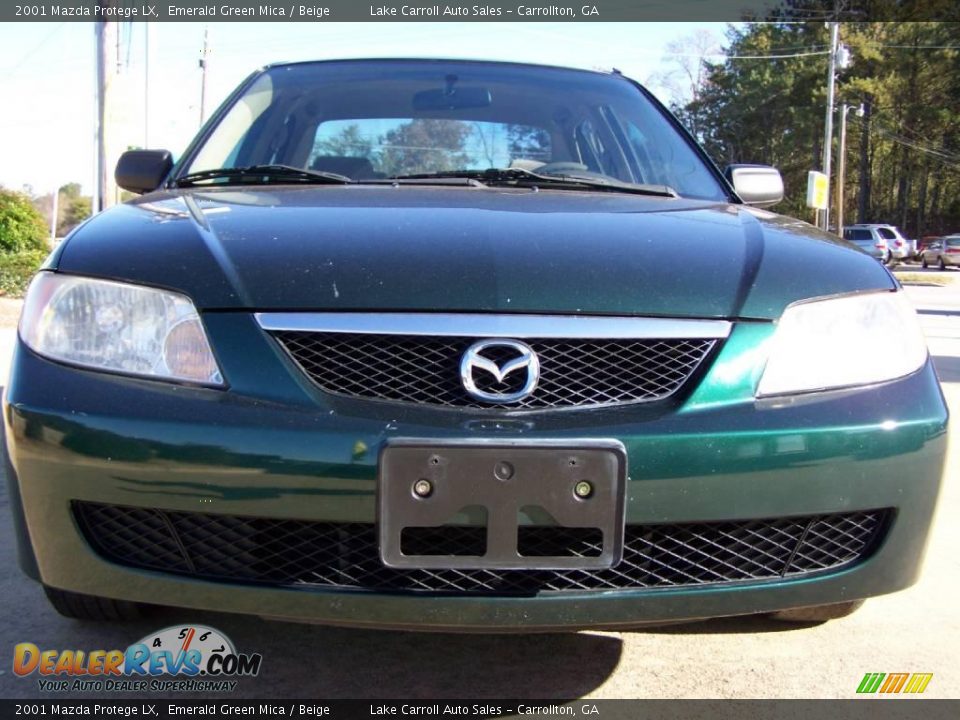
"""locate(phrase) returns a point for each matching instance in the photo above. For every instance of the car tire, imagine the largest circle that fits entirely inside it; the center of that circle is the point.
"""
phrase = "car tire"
(817, 613)
(941, 264)
(91, 607)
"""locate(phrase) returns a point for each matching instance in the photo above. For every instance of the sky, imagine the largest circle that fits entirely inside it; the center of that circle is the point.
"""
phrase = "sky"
(47, 75)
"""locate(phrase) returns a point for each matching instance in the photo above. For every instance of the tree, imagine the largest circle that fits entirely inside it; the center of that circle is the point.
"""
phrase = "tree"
(425, 145)
(348, 142)
(74, 211)
(686, 75)
(529, 143)
(72, 207)
(766, 104)
(21, 226)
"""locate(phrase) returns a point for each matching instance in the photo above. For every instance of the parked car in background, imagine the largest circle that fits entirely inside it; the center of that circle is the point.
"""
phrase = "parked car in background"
(943, 252)
(887, 240)
(925, 241)
(867, 241)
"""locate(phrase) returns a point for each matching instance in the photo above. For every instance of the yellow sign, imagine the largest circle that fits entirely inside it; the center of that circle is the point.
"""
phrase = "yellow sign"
(818, 190)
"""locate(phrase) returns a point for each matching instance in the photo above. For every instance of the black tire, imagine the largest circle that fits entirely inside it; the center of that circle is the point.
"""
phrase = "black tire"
(91, 607)
(817, 613)
(923, 262)
(941, 264)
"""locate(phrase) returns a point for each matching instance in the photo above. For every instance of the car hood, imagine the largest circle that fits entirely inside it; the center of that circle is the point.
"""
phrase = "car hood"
(466, 249)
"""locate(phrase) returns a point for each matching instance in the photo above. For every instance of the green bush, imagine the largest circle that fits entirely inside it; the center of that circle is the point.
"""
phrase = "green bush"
(16, 269)
(21, 227)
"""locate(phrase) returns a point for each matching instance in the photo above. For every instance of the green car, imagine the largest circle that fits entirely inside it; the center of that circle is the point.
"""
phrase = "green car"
(453, 345)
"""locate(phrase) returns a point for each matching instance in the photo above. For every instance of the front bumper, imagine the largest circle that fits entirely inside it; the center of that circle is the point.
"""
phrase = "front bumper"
(272, 447)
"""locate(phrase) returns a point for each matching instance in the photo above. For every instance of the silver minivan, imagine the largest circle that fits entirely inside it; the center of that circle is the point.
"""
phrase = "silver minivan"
(884, 242)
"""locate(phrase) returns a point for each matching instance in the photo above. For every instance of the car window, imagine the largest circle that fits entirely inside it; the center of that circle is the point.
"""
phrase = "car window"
(382, 118)
(953, 242)
(886, 233)
(661, 165)
(860, 234)
(222, 148)
(382, 147)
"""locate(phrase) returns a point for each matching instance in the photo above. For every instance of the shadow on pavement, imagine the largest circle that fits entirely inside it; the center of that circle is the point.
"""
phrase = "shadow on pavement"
(306, 661)
(741, 624)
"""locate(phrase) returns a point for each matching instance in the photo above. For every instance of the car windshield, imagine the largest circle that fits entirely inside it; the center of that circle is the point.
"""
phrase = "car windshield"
(373, 120)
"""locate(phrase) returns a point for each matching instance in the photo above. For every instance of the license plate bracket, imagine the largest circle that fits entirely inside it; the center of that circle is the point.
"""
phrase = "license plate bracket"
(510, 480)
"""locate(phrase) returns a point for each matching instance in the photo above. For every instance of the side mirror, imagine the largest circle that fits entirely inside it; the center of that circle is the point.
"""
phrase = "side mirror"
(759, 185)
(141, 171)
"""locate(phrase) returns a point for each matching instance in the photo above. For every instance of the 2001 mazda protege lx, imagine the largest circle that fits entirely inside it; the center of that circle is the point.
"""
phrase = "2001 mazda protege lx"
(464, 345)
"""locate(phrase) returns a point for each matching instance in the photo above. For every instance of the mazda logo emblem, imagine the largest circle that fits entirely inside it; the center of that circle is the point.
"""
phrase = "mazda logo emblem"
(523, 359)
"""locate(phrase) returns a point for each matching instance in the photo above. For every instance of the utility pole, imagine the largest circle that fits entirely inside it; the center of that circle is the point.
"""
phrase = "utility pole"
(53, 214)
(99, 184)
(863, 201)
(828, 130)
(203, 77)
(147, 31)
(108, 65)
(841, 166)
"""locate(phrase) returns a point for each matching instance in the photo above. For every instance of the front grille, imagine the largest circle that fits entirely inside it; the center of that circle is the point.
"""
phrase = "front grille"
(346, 555)
(425, 369)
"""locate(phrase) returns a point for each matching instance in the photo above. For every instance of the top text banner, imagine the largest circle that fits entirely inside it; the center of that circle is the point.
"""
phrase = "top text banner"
(489, 11)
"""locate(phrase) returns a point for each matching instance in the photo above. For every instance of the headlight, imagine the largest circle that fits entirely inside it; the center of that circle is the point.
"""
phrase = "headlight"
(843, 342)
(117, 327)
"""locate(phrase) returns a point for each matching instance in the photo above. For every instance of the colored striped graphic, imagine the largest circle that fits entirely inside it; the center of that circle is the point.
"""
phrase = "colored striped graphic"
(894, 683)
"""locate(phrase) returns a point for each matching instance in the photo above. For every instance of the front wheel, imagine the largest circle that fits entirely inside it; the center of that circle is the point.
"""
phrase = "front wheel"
(817, 613)
(91, 607)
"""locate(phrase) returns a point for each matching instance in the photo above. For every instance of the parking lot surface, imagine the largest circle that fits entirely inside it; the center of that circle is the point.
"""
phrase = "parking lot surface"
(917, 630)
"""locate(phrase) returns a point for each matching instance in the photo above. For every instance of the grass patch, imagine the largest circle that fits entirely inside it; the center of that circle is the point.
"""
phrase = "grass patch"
(915, 278)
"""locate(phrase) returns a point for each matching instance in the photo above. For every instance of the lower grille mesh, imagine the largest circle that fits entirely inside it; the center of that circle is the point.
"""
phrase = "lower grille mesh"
(346, 555)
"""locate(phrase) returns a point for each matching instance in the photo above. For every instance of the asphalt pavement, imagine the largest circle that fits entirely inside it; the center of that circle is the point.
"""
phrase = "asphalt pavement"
(916, 630)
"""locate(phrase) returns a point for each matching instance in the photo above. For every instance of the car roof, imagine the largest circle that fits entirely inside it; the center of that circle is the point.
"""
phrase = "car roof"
(477, 61)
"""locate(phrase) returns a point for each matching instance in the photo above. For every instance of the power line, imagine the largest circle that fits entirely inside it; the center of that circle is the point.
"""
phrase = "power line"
(944, 159)
(745, 57)
(923, 47)
(773, 57)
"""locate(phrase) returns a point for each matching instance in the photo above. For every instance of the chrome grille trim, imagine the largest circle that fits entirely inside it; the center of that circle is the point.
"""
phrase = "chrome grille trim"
(572, 327)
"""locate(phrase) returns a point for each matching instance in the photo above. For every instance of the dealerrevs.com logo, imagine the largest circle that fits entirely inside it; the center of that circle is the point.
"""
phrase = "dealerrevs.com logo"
(179, 658)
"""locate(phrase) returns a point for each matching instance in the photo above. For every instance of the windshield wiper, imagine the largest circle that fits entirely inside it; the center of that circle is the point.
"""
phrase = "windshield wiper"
(263, 174)
(527, 177)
